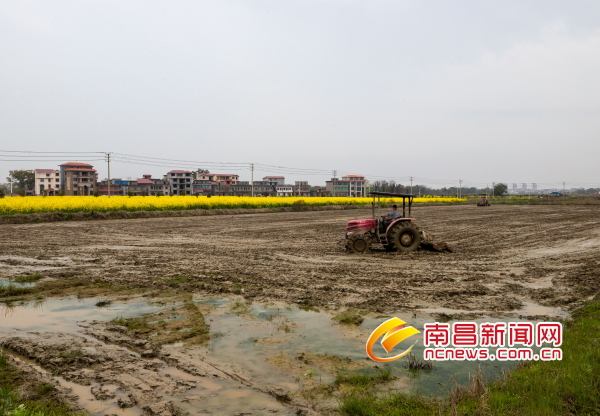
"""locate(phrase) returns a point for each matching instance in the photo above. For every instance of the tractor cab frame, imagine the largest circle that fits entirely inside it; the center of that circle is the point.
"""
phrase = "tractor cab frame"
(381, 230)
(401, 234)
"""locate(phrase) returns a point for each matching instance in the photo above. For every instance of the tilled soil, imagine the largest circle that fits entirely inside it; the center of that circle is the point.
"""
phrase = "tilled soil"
(528, 261)
(505, 257)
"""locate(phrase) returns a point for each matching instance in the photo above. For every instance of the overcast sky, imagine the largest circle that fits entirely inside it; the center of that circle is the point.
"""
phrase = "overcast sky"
(476, 90)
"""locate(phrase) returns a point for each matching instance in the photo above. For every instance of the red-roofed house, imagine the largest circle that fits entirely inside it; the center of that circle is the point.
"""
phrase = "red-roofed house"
(220, 178)
(46, 180)
(150, 186)
(78, 178)
(221, 183)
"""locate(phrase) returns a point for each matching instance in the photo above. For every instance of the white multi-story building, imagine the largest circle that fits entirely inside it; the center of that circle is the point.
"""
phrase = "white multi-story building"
(180, 181)
(47, 180)
(349, 185)
(285, 190)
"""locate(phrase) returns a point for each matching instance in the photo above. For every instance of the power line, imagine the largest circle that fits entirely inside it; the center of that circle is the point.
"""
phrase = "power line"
(30, 151)
(43, 156)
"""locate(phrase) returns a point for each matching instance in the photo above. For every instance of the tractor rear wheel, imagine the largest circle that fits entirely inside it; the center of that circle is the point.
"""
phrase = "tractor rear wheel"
(359, 243)
(405, 237)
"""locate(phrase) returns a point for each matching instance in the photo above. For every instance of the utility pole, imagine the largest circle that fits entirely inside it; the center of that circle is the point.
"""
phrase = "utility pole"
(493, 190)
(460, 188)
(108, 161)
(564, 191)
(252, 169)
(333, 183)
(411, 185)
(10, 172)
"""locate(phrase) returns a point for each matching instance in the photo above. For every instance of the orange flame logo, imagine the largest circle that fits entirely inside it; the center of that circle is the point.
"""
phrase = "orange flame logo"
(395, 333)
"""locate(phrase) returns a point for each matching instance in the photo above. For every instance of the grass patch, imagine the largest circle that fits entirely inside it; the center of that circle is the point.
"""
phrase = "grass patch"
(65, 286)
(239, 307)
(413, 363)
(349, 317)
(567, 387)
(365, 403)
(12, 290)
(175, 281)
(23, 397)
(365, 380)
(165, 328)
(44, 389)
(28, 279)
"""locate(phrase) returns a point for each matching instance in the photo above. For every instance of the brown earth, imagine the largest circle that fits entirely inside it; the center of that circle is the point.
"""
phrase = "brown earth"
(505, 258)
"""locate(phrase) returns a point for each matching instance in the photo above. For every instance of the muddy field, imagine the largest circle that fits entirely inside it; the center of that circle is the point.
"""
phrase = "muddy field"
(504, 259)
(269, 287)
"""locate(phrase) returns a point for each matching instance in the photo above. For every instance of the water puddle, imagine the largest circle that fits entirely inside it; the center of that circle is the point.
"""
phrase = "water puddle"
(533, 309)
(204, 395)
(253, 340)
(290, 347)
(62, 315)
(6, 282)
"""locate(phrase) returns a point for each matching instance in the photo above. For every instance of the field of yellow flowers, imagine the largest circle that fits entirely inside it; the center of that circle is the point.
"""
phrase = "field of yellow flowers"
(33, 204)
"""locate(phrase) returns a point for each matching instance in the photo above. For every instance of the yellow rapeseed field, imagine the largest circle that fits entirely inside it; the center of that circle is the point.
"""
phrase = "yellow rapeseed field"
(33, 204)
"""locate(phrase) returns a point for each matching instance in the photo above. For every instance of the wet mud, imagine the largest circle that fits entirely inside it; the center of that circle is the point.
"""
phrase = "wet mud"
(548, 254)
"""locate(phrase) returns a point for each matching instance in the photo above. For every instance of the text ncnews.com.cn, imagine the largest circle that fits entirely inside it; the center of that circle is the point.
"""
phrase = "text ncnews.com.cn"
(513, 341)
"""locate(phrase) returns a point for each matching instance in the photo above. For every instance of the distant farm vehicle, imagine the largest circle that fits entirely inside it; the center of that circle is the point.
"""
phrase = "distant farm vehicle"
(400, 234)
(483, 201)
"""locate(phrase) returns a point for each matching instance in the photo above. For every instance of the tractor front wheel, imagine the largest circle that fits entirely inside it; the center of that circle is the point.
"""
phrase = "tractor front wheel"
(359, 243)
(405, 237)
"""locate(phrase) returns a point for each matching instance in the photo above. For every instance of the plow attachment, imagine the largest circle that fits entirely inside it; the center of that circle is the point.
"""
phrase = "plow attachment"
(428, 242)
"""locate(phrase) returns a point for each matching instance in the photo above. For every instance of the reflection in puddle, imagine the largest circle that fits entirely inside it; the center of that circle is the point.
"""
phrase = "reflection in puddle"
(61, 315)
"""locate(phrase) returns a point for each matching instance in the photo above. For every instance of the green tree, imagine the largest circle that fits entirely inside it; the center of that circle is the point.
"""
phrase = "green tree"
(61, 192)
(159, 193)
(144, 193)
(2, 193)
(96, 193)
(129, 193)
(500, 189)
(22, 179)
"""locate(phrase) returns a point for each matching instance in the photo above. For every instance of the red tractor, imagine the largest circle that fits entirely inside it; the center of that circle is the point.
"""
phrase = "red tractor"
(483, 201)
(401, 234)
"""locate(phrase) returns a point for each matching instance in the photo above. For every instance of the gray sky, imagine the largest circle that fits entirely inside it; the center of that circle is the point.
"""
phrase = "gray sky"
(476, 90)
